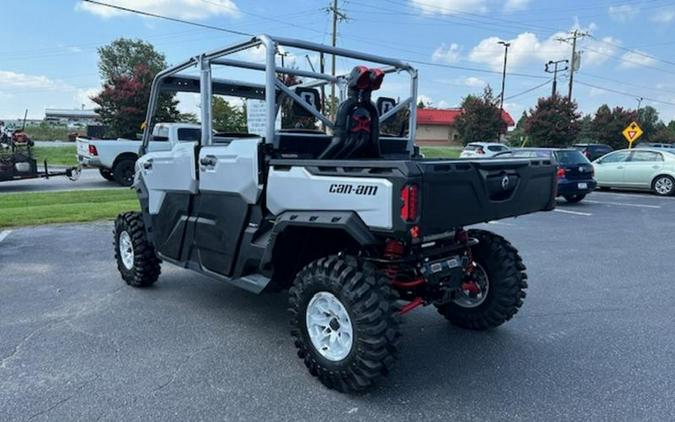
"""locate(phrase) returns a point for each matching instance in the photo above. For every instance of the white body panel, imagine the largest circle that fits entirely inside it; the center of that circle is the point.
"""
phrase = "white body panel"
(299, 190)
(235, 169)
(168, 171)
(109, 149)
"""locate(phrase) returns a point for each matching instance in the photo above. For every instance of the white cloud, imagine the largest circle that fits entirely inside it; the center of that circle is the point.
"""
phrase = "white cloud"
(515, 5)
(623, 13)
(184, 9)
(474, 82)
(446, 54)
(598, 51)
(450, 7)
(595, 92)
(15, 80)
(83, 96)
(425, 99)
(636, 58)
(528, 49)
(664, 16)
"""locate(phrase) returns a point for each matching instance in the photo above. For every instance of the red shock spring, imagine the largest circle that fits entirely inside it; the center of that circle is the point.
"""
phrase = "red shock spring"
(394, 250)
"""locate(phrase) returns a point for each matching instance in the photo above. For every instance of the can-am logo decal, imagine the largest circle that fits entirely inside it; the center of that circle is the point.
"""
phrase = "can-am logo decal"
(355, 189)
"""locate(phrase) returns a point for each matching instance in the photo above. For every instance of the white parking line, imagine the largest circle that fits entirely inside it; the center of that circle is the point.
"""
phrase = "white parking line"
(4, 234)
(624, 204)
(645, 195)
(585, 214)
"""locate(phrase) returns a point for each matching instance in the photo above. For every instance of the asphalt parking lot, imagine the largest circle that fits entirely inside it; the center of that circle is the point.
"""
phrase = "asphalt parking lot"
(594, 340)
(89, 179)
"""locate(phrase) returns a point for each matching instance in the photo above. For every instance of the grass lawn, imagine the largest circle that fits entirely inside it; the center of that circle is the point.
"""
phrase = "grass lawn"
(440, 152)
(32, 208)
(56, 156)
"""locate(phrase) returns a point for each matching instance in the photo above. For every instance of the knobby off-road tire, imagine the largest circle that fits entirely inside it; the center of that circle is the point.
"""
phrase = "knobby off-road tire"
(507, 282)
(370, 305)
(136, 259)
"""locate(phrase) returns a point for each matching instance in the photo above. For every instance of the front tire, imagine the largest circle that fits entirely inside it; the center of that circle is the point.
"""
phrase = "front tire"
(575, 198)
(124, 172)
(136, 259)
(663, 185)
(345, 322)
(502, 285)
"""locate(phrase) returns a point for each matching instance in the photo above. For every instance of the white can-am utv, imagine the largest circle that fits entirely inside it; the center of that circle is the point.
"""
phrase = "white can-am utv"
(356, 225)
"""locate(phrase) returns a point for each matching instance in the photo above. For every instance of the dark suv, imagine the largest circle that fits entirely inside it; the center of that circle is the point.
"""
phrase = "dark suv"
(575, 171)
(593, 151)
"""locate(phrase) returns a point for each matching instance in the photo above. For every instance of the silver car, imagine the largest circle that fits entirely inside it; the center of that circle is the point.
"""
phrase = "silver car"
(645, 168)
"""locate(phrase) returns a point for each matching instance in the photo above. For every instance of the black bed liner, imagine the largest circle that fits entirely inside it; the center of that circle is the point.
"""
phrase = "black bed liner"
(454, 192)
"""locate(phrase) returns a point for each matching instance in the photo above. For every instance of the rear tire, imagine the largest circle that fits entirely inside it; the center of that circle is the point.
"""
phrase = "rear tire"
(136, 259)
(575, 198)
(663, 185)
(506, 285)
(123, 172)
(349, 299)
(106, 174)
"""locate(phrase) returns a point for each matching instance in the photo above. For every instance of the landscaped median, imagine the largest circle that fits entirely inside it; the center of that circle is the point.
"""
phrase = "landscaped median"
(33, 208)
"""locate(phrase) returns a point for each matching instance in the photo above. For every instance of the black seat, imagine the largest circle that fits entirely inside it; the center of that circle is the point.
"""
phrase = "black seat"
(357, 126)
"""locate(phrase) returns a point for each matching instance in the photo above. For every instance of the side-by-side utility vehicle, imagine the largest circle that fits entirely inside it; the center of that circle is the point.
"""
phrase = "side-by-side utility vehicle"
(356, 225)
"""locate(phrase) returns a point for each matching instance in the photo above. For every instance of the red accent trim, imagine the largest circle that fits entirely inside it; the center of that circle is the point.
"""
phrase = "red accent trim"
(408, 284)
(362, 124)
(411, 305)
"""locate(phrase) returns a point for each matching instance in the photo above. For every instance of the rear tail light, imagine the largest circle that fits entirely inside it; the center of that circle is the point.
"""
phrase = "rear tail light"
(93, 150)
(561, 173)
(410, 198)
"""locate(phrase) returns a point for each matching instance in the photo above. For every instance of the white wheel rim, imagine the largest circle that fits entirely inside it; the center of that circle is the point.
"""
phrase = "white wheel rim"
(663, 185)
(329, 326)
(464, 298)
(126, 250)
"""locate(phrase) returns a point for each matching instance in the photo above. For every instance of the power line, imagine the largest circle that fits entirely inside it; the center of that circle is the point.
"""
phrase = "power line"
(527, 91)
(628, 94)
(168, 18)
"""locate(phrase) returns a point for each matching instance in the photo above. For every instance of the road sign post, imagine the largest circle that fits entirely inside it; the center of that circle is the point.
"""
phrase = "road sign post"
(632, 132)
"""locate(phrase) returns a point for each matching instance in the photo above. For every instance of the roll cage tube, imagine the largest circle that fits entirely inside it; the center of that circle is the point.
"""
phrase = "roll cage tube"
(171, 80)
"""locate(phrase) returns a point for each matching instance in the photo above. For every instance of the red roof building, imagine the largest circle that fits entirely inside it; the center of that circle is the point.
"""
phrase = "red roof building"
(435, 126)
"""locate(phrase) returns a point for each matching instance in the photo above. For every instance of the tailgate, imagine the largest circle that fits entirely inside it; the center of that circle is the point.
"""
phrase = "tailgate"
(461, 193)
(83, 147)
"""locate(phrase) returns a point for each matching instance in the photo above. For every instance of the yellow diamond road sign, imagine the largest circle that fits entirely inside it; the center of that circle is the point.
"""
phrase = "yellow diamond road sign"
(632, 132)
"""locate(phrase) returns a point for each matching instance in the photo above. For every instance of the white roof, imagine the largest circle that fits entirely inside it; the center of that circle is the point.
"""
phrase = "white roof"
(65, 112)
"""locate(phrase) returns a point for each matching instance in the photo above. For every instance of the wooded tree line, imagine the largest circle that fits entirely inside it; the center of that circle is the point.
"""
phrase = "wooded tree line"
(555, 121)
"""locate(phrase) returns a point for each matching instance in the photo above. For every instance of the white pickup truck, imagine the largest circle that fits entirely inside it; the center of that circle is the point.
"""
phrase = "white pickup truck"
(116, 158)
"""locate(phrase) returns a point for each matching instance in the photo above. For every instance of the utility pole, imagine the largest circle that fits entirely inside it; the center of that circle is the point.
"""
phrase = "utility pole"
(555, 71)
(506, 52)
(337, 16)
(637, 113)
(574, 61)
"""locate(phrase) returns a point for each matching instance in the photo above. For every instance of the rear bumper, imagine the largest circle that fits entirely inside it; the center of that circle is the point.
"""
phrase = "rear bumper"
(89, 161)
(571, 187)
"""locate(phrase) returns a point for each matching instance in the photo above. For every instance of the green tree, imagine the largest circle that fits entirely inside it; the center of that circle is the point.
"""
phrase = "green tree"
(122, 56)
(480, 119)
(608, 124)
(517, 136)
(420, 104)
(648, 118)
(586, 133)
(663, 134)
(227, 117)
(127, 68)
(553, 122)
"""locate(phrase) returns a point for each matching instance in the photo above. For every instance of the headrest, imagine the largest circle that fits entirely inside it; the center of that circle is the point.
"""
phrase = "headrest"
(362, 78)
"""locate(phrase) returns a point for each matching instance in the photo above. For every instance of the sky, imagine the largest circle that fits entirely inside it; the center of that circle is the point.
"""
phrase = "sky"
(48, 49)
